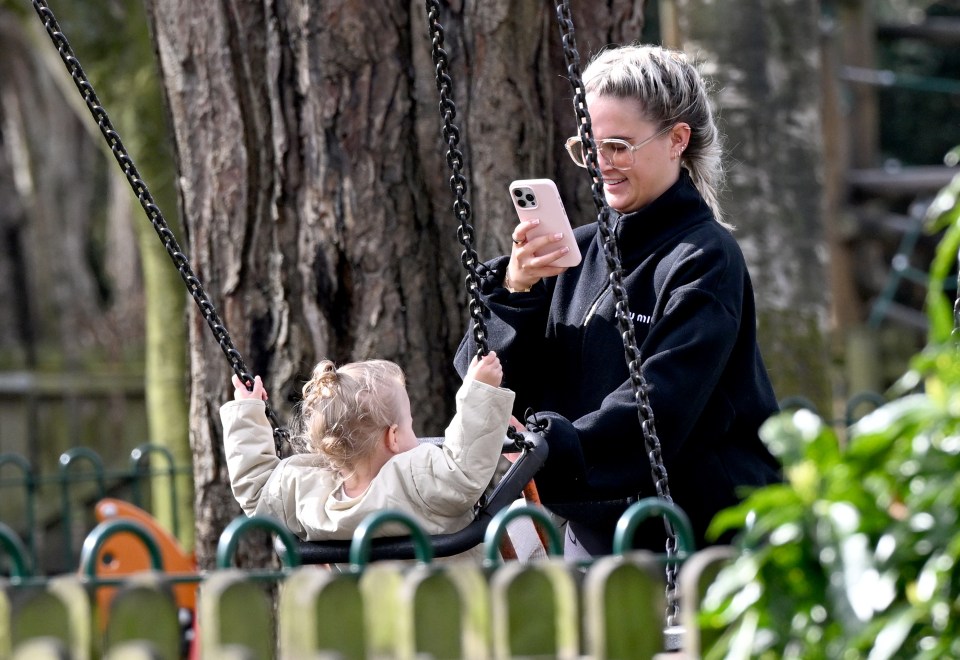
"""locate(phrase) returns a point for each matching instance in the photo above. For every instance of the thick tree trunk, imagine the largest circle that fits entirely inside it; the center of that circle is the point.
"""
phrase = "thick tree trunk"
(764, 62)
(58, 178)
(119, 58)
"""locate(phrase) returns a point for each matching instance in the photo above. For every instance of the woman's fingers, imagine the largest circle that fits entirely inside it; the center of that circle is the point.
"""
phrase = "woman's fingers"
(519, 235)
(540, 252)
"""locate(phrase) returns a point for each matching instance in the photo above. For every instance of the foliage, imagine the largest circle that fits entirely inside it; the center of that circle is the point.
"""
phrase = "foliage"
(855, 555)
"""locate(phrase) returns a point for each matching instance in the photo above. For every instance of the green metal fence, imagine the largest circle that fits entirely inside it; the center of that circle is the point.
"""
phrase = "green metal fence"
(610, 608)
(52, 511)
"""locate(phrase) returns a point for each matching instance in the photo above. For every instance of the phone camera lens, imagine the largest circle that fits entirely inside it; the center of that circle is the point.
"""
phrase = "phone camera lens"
(521, 203)
(517, 192)
(530, 198)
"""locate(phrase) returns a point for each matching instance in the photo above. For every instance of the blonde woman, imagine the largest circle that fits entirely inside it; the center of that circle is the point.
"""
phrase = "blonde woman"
(690, 298)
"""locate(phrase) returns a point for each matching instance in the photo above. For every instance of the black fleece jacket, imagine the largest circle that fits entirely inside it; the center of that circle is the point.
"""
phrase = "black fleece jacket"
(692, 306)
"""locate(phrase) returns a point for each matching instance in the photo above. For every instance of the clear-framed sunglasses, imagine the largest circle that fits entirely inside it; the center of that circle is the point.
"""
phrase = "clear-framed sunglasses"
(618, 153)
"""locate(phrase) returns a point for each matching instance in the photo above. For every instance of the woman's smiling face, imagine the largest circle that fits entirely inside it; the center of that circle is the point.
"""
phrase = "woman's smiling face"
(656, 165)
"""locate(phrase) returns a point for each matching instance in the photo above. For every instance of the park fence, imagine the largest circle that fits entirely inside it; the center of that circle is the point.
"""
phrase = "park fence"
(612, 607)
(52, 511)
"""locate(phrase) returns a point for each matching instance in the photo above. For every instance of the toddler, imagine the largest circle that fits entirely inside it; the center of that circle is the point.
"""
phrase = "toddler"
(363, 455)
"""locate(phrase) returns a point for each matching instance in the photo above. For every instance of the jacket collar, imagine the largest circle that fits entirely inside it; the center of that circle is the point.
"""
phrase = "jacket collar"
(672, 213)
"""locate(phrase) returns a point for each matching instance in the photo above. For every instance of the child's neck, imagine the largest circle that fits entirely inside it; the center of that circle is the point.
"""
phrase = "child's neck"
(358, 479)
(355, 484)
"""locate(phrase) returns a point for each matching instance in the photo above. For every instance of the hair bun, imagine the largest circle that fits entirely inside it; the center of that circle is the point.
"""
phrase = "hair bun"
(323, 383)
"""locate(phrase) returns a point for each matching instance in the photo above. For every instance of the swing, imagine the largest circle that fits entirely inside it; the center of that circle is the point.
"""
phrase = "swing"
(529, 443)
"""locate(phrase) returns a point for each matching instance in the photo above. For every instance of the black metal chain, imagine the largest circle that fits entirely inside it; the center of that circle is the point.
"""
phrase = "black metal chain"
(611, 252)
(280, 435)
(458, 182)
(458, 185)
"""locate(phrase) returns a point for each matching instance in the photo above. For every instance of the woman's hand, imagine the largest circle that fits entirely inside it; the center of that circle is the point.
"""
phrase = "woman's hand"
(526, 268)
(241, 392)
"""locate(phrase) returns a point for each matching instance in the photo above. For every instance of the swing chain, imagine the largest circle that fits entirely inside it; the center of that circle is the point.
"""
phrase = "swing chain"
(458, 182)
(154, 215)
(624, 321)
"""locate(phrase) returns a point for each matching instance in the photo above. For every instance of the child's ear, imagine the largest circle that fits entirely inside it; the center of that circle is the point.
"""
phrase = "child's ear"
(390, 439)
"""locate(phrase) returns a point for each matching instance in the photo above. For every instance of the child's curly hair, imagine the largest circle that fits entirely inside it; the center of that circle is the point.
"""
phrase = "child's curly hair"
(345, 411)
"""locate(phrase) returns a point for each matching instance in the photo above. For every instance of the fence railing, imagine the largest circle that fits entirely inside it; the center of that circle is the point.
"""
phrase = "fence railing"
(611, 607)
(52, 512)
(73, 407)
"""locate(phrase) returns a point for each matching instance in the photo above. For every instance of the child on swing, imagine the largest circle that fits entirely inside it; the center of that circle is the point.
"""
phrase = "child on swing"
(363, 455)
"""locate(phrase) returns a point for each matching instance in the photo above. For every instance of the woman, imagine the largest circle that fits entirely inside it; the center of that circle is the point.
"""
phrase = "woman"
(690, 298)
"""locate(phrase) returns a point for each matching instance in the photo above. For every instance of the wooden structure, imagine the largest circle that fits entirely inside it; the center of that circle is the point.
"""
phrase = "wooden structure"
(875, 210)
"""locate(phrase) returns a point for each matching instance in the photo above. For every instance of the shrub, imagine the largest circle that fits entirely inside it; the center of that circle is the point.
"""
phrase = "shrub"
(856, 554)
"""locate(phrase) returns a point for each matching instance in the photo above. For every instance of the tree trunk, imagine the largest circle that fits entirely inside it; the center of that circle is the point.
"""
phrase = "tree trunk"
(763, 59)
(60, 306)
(142, 122)
(118, 58)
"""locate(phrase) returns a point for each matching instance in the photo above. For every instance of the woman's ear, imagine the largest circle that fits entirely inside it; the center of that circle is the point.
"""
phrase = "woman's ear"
(680, 136)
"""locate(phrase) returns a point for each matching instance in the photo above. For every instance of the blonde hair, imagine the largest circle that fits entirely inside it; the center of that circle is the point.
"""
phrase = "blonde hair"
(345, 411)
(669, 89)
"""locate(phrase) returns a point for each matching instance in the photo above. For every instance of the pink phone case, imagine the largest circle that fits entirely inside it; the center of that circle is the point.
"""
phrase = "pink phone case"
(540, 199)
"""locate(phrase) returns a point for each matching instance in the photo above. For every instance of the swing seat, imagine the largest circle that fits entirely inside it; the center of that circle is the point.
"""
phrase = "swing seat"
(533, 453)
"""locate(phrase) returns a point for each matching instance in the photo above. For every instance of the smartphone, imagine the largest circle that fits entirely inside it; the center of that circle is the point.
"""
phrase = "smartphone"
(540, 199)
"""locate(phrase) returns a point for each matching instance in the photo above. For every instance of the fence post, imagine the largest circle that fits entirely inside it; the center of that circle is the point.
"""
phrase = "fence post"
(60, 611)
(444, 612)
(15, 550)
(696, 576)
(675, 519)
(321, 611)
(235, 612)
(623, 603)
(66, 459)
(6, 632)
(381, 583)
(30, 493)
(535, 610)
(136, 458)
(143, 610)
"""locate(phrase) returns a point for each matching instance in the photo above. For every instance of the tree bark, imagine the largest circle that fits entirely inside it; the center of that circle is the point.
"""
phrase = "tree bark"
(62, 310)
(762, 57)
